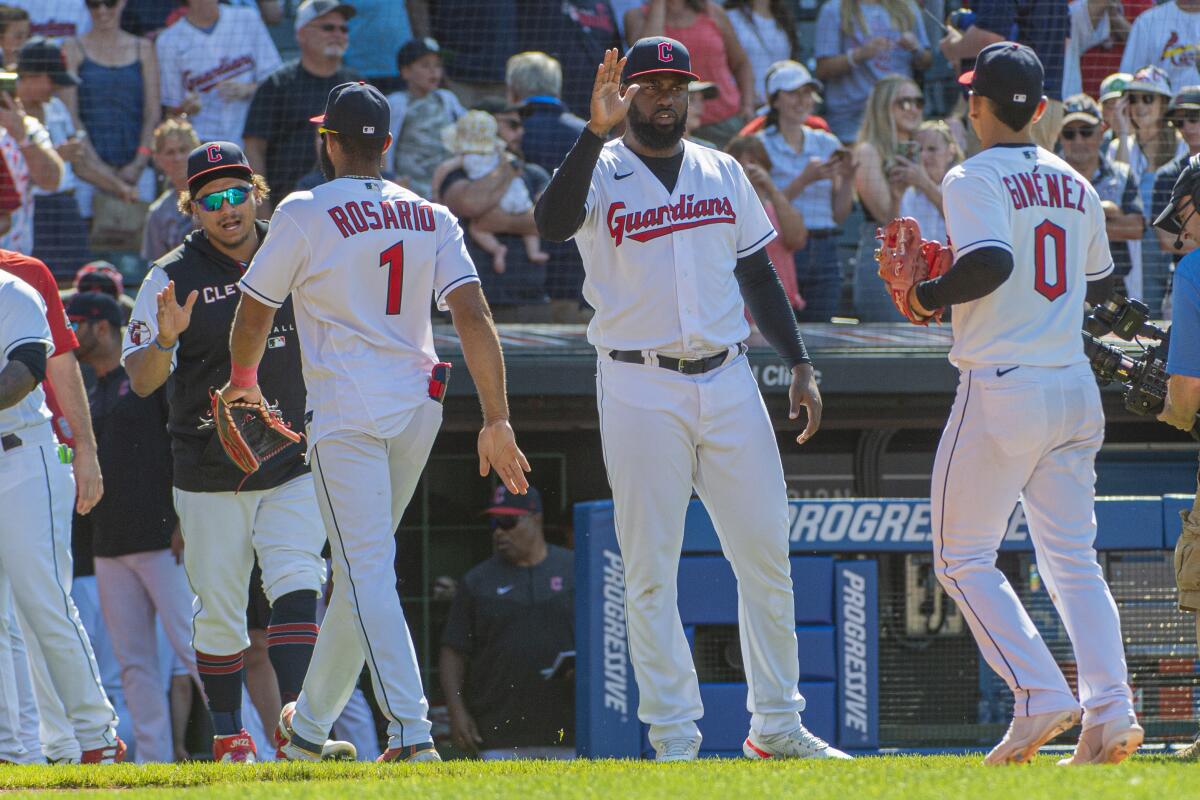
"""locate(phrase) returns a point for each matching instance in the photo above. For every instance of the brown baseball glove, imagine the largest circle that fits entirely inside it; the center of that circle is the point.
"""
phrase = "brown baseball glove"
(905, 259)
(251, 433)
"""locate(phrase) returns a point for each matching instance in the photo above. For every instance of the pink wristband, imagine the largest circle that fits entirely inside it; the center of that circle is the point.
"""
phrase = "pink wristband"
(243, 377)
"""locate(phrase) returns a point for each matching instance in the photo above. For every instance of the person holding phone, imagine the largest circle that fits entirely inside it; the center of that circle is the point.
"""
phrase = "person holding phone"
(886, 163)
(815, 173)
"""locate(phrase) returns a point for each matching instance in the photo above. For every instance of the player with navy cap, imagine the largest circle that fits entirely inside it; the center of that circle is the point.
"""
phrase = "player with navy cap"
(1030, 248)
(274, 515)
(362, 258)
(672, 237)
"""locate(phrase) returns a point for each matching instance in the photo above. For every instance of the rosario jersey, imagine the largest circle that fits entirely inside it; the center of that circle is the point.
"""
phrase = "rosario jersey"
(22, 321)
(1030, 202)
(361, 258)
(659, 265)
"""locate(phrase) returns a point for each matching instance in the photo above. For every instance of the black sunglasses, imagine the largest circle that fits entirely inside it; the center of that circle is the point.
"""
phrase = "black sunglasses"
(505, 523)
(104, 3)
(1084, 133)
(1145, 98)
(909, 103)
(1191, 115)
(330, 27)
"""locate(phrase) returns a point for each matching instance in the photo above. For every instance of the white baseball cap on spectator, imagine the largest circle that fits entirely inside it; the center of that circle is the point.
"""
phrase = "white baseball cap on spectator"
(1150, 79)
(785, 76)
(311, 9)
(1112, 86)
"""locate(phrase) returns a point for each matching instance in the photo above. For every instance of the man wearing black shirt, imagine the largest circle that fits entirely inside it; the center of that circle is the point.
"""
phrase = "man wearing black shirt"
(277, 133)
(275, 512)
(132, 526)
(511, 620)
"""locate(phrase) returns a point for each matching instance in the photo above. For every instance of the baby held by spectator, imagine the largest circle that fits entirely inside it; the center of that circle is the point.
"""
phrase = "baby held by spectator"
(474, 137)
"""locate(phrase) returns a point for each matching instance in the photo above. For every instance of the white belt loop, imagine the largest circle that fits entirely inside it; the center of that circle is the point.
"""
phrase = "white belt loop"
(650, 358)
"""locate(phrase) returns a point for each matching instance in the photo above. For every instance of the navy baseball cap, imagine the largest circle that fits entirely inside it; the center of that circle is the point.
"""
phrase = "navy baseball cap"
(413, 49)
(91, 306)
(213, 160)
(355, 109)
(507, 504)
(40, 56)
(1008, 73)
(657, 54)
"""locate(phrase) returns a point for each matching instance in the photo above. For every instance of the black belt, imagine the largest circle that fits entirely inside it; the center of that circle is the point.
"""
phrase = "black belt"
(10, 441)
(823, 233)
(685, 366)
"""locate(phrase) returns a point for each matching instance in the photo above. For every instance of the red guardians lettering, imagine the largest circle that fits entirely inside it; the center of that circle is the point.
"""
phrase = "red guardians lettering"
(642, 226)
(358, 216)
(1045, 189)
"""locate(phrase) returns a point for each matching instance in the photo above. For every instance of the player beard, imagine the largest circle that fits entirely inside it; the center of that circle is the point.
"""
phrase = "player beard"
(653, 136)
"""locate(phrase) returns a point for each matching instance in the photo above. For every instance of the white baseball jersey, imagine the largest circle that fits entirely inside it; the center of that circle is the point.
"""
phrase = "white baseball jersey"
(659, 265)
(1030, 202)
(238, 48)
(361, 257)
(56, 19)
(23, 320)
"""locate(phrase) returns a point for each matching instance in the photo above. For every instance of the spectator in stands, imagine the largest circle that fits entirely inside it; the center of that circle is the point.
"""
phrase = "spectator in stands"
(278, 136)
(717, 56)
(117, 104)
(480, 37)
(767, 31)
(1042, 25)
(519, 293)
(55, 19)
(534, 82)
(576, 33)
(699, 92)
(922, 199)
(1105, 59)
(1090, 27)
(887, 162)
(858, 43)
(816, 174)
(511, 623)
(1167, 37)
(1114, 181)
(148, 17)
(787, 221)
(1184, 115)
(211, 63)
(59, 232)
(166, 225)
(419, 115)
(100, 276)
(133, 526)
(1111, 90)
(14, 32)
(377, 30)
(30, 161)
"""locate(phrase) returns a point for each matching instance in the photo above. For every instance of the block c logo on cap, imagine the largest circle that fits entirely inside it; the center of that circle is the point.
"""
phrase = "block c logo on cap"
(213, 151)
(664, 52)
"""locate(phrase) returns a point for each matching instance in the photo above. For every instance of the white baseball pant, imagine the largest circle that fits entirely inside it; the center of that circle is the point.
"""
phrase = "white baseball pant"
(664, 433)
(223, 530)
(363, 486)
(37, 493)
(1032, 434)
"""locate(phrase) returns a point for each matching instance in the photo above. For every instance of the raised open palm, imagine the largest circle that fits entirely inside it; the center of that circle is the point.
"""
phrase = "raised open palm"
(173, 318)
(609, 103)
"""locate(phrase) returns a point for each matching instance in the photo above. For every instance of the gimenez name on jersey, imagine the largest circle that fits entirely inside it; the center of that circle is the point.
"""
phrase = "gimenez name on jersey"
(651, 223)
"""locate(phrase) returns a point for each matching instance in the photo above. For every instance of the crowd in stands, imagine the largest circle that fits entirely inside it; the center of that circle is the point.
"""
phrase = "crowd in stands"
(844, 117)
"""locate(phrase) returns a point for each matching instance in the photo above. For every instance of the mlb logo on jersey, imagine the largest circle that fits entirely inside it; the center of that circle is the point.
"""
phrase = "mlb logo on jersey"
(276, 341)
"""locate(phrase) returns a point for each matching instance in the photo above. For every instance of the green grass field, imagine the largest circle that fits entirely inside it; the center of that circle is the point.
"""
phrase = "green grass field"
(894, 777)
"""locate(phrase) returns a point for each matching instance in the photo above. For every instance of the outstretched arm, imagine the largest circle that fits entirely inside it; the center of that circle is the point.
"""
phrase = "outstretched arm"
(247, 341)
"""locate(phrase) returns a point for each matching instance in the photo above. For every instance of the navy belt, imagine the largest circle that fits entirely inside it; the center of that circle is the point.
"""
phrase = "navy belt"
(10, 441)
(684, 366)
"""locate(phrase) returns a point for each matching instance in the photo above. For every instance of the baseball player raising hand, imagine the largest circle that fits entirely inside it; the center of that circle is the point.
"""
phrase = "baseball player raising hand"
(672, 237)
(361, 257)
(1029, 247)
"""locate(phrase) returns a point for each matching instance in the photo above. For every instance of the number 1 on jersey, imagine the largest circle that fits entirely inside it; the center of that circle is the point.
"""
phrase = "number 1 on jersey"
(393, 259)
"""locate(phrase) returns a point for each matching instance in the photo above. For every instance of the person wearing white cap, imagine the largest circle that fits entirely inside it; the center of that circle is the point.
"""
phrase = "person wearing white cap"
(1111, 89)
(815, 172)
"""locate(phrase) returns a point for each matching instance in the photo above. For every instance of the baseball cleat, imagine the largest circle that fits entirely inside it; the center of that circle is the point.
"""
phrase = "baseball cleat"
(800, 743)
(290, 747)
(1110, 743)
(112, 754)
(1190, 753)
(236, 748)
(683, 748)
(414, 754)
(1026, 735)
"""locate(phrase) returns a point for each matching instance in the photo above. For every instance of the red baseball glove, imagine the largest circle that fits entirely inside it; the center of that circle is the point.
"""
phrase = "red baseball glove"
(905, 259)
(250, 433)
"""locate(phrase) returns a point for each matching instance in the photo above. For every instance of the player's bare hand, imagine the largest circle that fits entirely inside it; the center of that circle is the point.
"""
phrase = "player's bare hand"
(249, 394)
(177, 544)
(609, 103)
(89, 483)
(12, 116)
(804, 392)
(463, 730)
(173, 319)
(498, 450)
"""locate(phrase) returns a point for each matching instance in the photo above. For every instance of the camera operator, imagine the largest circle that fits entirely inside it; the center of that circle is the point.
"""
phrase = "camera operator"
(1180, 218)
